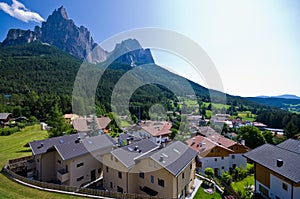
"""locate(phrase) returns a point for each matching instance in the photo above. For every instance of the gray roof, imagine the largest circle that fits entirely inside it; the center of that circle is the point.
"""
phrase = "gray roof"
(127, 154)
(290, 145)
(4, 116)
(267, 155)
(68, 148)
(175, 157)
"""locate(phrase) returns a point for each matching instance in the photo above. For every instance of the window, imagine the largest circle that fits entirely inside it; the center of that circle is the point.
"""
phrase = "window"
(182, 175)
(222, 157)
(99, 170)
(38, 160)
(142, 175)
(106, 169)
(191, 166)
(120, 174)
(80, 178)
(285, 186)
(223, 168)
(277, 197)
(111, 185)
(263, 190)
(59, 162)
(161, 182)
(216, 159)
(152, 179)
(233, 156)
(79, 165)
(212, 150)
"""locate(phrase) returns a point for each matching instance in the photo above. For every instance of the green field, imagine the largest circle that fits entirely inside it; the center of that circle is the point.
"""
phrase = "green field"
(13, 147)
(247, 116)
(216, 106)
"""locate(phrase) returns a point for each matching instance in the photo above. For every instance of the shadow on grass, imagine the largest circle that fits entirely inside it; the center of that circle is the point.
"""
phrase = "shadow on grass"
(24, 151)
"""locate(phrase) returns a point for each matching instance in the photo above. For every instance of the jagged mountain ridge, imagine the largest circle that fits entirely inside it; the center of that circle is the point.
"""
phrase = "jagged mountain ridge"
(61, 32)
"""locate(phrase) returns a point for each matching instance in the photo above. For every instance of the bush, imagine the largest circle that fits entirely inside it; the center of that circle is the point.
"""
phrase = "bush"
(8, 131)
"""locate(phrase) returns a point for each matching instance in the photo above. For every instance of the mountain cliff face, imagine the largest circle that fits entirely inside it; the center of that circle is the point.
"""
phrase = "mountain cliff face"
(60, 31)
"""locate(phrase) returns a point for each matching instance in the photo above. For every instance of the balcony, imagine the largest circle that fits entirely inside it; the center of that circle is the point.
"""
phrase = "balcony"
(30, 164)
(63, 175)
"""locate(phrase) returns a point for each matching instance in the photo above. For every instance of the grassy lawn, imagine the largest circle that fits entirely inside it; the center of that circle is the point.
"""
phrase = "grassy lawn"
(247, 116)
(203, 195)
(241, 184)
(13, 147)
(217, 106)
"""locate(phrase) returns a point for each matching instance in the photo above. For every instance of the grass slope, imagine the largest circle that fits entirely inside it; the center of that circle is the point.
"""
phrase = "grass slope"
(13, 147)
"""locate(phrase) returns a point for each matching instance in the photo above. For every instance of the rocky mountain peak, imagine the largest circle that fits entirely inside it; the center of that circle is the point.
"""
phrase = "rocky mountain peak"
(62, 32)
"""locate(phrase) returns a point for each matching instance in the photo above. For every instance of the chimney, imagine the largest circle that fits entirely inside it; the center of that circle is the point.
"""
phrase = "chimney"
(136, 147)
(243, 142)
(279, 163)
(161, 158)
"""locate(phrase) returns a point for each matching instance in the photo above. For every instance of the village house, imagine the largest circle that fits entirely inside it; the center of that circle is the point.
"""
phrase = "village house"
(143, 167)
(4, 118)
(69, 159)
(91, 124)
(277, 169)
(218, 153)
(157, 131)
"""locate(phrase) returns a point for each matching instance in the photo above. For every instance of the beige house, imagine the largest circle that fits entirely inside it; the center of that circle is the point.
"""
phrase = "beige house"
(145, 168)
(69, 160)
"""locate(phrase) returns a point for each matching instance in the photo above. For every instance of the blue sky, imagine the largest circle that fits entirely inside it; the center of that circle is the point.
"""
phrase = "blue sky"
(254, 44)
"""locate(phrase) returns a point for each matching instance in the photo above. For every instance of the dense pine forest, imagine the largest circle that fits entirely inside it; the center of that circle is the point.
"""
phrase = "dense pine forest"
(35, 77)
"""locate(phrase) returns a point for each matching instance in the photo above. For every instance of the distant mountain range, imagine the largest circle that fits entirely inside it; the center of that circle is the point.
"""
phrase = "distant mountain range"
(285, 96)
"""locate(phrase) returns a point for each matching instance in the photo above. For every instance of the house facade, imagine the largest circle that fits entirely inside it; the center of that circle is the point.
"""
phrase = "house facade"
(145, 168)
(68, 160)
(277, 170)
(218, 152)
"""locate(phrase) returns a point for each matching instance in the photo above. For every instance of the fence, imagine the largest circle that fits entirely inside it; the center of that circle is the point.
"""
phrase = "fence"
(68, 189)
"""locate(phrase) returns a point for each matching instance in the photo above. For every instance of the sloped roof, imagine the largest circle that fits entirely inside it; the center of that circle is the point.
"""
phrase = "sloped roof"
(4, 116)
(204, 145)
(174, 157)
(222, 140)
(267, 156)
(127, 154)
(157, 128)
(80, 124)
(290, 145)
(103, 122)
(68, 147)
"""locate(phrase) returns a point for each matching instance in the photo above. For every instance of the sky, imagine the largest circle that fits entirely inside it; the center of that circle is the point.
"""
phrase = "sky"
(254, 44)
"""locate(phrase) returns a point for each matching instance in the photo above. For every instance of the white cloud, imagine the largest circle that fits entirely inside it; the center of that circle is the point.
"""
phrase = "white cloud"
(19, 11)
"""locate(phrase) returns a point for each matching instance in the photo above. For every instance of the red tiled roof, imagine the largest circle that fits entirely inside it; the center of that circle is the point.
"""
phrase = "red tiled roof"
(103, 122)
(157, 128)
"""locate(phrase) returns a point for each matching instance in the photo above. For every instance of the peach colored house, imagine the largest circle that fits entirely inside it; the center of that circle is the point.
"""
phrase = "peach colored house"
(145, 168)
